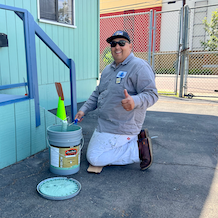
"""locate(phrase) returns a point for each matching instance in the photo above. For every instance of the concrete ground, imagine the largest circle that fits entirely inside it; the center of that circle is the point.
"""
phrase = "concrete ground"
(181, 183)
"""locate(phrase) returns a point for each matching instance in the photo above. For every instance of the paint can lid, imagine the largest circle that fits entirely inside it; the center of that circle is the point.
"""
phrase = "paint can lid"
(59, 188)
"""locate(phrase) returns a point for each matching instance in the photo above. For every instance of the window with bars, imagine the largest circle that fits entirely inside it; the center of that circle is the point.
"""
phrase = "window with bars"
(61, 11)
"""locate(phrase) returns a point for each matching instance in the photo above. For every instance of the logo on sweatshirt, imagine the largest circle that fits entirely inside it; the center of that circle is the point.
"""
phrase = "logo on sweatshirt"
(121, 74)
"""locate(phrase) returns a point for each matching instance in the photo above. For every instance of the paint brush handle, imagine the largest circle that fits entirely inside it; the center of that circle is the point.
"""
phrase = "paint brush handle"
(59, 90)
(75, 122)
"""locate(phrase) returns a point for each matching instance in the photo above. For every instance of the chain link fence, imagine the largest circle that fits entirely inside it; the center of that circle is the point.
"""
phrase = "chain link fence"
(136, 25)
(158, 36)
(165, 51)
(202, 73)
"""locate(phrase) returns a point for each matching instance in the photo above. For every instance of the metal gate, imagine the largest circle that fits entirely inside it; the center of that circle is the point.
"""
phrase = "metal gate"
(171, 41)
(147, 35)
(201, 75)
(165, 52)
(182, 58)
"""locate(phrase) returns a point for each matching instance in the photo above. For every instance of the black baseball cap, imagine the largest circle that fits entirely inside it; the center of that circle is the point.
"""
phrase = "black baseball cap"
(118, 34)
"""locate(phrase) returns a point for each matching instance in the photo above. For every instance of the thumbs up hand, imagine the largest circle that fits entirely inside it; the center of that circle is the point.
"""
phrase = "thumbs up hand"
(128, 102)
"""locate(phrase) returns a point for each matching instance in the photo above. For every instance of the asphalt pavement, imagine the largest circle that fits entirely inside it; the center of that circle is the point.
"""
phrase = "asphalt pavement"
(181, 183)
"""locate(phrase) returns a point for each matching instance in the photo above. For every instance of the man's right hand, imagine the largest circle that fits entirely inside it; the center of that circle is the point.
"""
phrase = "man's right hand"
(79, 116)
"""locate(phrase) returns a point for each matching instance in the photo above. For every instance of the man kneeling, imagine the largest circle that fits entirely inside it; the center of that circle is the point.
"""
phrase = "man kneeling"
(126, 89)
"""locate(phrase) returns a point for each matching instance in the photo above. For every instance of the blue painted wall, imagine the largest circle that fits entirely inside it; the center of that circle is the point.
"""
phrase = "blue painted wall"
(19, 136)
(80, 44)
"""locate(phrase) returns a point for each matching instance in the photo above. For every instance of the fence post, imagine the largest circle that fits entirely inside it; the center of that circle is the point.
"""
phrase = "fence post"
(183, 47)
(150, 37)
(186, 27)
(180, 53)
(182, 50)
(73, 89)
(154, 39)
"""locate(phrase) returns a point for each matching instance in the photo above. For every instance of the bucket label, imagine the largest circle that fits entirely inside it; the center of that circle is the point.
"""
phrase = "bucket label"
(64, 157)
(71, 152)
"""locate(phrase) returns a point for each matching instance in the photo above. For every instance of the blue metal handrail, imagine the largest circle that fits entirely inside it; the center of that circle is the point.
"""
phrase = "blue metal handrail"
(31, 28)
(12, 86)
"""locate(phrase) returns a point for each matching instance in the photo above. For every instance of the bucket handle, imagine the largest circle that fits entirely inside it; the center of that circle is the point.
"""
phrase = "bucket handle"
(80, 148)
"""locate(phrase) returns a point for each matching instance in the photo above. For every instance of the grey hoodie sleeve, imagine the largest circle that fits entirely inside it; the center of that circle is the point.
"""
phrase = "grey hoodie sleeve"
(145, 87)
(91, 103)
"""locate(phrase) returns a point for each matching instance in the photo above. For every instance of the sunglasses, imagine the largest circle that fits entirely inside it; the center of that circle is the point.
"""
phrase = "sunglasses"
(120, 43)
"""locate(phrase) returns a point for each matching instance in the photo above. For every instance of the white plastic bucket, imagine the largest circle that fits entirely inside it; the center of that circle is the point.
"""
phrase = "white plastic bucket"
(65, 149)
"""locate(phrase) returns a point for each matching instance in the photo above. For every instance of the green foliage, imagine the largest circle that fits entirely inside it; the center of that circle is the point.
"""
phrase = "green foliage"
(211, 28)
(194, 71)
(165, 71)
(200, 72)
(107, 56)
